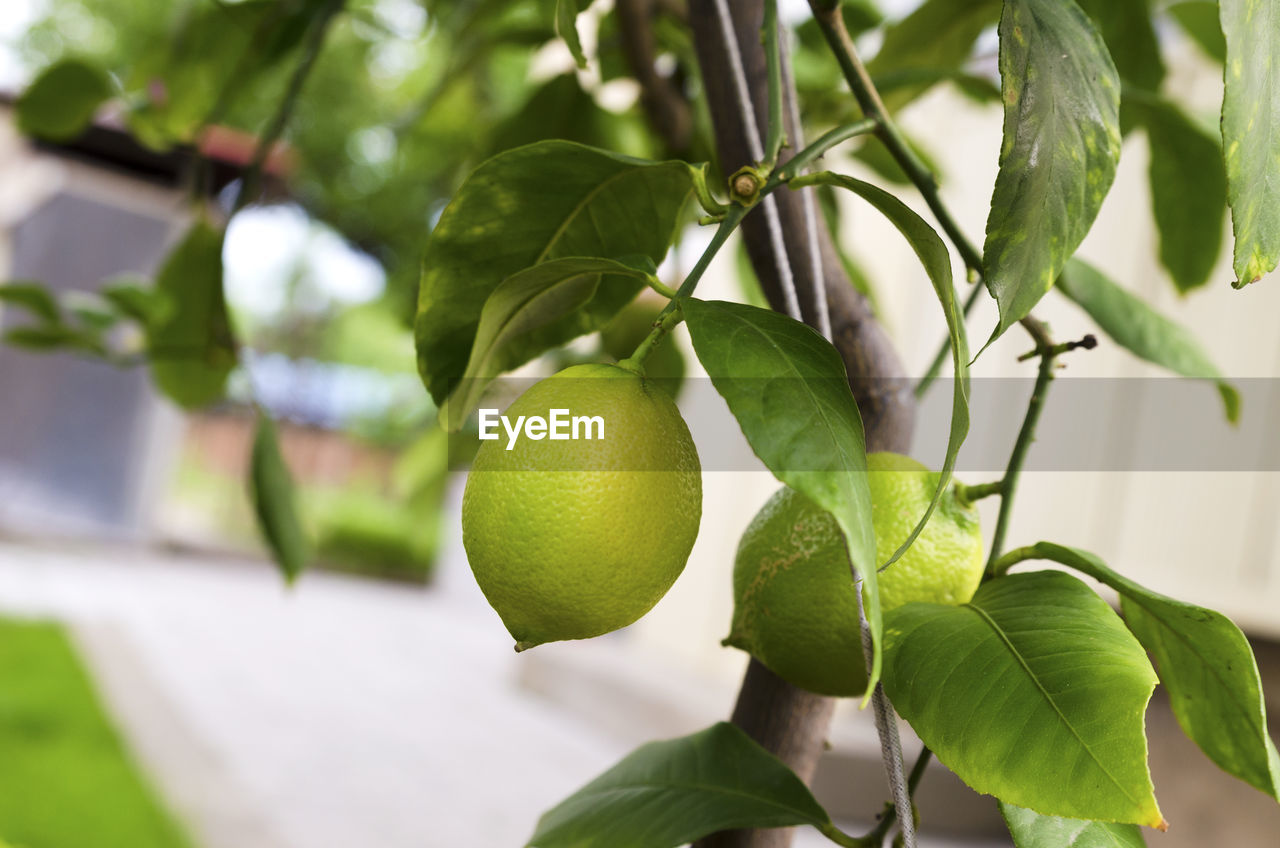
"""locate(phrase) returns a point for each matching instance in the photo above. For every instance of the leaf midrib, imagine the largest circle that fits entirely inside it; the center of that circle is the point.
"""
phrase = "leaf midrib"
(1000, 634)
(627, 169)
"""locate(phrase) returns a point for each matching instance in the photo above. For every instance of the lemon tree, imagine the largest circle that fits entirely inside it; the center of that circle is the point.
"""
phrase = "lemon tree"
(795, 607)
(538, 216)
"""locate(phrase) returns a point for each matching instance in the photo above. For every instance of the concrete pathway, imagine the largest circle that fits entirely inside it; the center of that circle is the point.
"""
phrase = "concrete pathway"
(342, 713)
(346, 712)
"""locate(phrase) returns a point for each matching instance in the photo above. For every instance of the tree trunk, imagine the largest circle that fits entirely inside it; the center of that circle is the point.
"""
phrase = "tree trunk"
(789, 721)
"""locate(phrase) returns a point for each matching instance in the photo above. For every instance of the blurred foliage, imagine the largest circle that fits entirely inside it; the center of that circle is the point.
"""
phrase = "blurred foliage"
(403, 101)
(66, 780)
(363, 532)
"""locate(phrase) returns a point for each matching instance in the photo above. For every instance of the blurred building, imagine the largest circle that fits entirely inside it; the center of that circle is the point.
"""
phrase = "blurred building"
(82, 444)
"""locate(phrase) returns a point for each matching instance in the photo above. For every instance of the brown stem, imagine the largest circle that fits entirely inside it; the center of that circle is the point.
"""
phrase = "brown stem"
(788, 721)
(664, 104)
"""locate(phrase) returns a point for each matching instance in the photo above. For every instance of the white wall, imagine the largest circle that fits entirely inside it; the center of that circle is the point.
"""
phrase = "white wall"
(1210, 537)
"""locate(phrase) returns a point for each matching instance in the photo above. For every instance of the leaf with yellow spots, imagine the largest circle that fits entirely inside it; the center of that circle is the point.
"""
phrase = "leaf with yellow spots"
(1251, 133)
(1061, 145)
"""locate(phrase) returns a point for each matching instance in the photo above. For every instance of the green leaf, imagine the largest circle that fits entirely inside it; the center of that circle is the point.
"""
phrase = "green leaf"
(547, 200)
(217, 56)
(532, 311)
(1145, 333)
(1029, 829)
(49, 337)
(567, 29)
(1188, 188)
(933, 255)
(192, 351)
(1131, 39)
(34, 298)
(274, 502)
(670, 793)
(788, 389)
(92, 312)
(1034, 692)
(61, 102)
(1199, 19)
(133, 298)
(939, 35)
(1251, 133)
(1207, 665)
(1061, 145)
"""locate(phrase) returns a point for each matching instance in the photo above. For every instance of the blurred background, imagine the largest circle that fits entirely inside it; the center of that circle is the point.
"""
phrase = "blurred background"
(159, 683)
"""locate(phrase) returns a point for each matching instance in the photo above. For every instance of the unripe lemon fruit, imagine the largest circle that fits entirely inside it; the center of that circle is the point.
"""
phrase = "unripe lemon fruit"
(573, 538)
(794, 604)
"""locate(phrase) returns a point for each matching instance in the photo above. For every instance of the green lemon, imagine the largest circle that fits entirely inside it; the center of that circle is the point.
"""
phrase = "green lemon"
(794, 604)
(573, 538)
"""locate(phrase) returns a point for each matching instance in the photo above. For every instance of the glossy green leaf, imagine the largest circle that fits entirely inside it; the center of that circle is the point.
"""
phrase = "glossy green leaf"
(1131, 39)
(935, 258)
(193, 350)
(939, 35)
(532, 311)
(544, 201)
(274, 502)
(1251, 133)
(567, 29)
(1034, 692)
(1199, 19)
(1188, 188)
(1206, 664)
(1145, 333)
(1060, 149)
(1029, 829)
(670, 793)
(61, 102)
(788, 389)
(34, 298)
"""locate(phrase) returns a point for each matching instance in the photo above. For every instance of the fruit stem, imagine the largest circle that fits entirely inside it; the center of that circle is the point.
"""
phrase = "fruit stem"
(968, 494)
(839, 837)
(1048, 355)
(670, 315)
(1002, 565)
(660, 287)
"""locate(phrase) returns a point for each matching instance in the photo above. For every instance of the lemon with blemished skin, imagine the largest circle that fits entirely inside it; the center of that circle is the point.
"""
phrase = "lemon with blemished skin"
(794, 604)
(571, 539)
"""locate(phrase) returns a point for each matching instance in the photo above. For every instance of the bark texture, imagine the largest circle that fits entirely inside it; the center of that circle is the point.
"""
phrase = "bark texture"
(791, 722)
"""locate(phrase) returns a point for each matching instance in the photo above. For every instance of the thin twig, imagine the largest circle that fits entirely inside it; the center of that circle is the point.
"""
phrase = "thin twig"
(670, 315)
(664, 104)
(806, 157)
(1026, 435)
(284, 111)
(831, 22)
